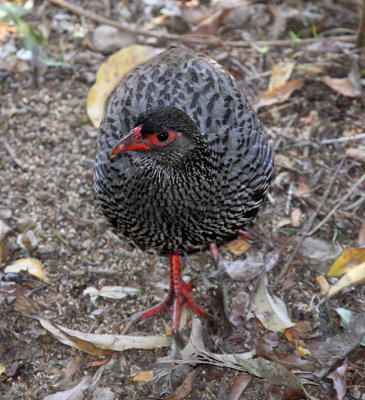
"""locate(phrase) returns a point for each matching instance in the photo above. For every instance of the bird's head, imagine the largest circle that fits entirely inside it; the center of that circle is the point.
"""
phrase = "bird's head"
(164, 133)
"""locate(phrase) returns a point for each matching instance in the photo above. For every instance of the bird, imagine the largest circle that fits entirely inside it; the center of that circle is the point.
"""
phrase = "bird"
(181, 162)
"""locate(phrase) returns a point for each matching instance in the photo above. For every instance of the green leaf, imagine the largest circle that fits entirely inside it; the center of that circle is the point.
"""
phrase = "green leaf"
(345, 315)
(9, 11)
(31, 37)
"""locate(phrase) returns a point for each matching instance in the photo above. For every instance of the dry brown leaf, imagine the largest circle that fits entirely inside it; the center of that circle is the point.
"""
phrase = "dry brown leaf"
(110, 74)
(280, 74)
(185, 388)
(280, 351)
(102, 344)
(211, 25)
(30, 265)
(283, 222)
(110, 292)
(339, 379)
(302, 190)
(25, 305)
(278, 94)
(296, 217)
(244, 270)
(142, 376)
(340, 85)
(75, 393)
(311, 118)
(159, 20)
(70, 371)
(357, 154)
(322, 282)
(238, 246)
(270, 310)
(239, 386)
(283, 161)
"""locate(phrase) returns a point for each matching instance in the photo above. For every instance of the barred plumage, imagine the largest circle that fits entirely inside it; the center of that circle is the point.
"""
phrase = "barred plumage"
(203, 186)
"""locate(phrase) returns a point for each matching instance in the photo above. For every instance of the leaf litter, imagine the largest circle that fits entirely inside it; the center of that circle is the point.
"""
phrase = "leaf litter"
(49, 118)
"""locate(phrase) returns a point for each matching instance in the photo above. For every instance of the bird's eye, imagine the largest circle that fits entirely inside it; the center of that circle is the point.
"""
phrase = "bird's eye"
(163, 136)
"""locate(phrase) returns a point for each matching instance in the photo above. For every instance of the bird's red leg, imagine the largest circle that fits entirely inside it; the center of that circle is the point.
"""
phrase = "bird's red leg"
(243, 234)
(177, 298)
(213, 248)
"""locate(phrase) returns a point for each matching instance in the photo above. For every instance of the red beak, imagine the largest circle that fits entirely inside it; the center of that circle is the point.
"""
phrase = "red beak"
(133, 141)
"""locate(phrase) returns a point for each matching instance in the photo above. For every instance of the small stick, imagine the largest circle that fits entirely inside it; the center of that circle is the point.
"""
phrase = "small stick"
(358, 136)
(309, 224)
(193, 38)
(334, 209)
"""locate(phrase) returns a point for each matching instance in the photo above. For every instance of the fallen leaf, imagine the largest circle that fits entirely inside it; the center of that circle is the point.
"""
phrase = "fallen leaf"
(111, 292)
(340, 85)
(27, 240)
(272, 372)
(352, 277)
(349, 258)
(336, 347)
(302, 190)
(296, 217)
(322, 282)
(339, 379)
(30, 265)
(142, 376)
(345, 315)
(25, 305)
(270, 310)
(244, 270)
(102, 344)
(278, 94)
(283, 161)
(75, 393)
(70, 371)
(239, 386)
(283, 222)
(319, 250)
(211, 24)
(281, 352)
(111, 73)
(238, 310)
(238, 246)
(280, 74)
(185, 388)
(159, 20)
(357, 154)
(2, 369)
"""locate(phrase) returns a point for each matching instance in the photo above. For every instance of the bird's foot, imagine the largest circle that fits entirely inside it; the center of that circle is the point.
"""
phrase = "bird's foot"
(177, 299)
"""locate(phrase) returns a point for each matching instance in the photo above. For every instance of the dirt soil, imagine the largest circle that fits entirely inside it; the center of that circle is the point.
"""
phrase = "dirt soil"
(46, 157)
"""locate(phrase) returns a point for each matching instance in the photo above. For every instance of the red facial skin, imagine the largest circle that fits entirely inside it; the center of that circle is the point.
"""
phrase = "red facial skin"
(135, 141)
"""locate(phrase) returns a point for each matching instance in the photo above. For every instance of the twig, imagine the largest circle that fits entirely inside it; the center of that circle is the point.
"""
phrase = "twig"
(358, 136)
(11, 152)
(192, 38)
(334, 209)
(309, 224)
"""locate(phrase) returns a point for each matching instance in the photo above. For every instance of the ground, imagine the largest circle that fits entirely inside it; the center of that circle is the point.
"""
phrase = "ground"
(46, 156)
